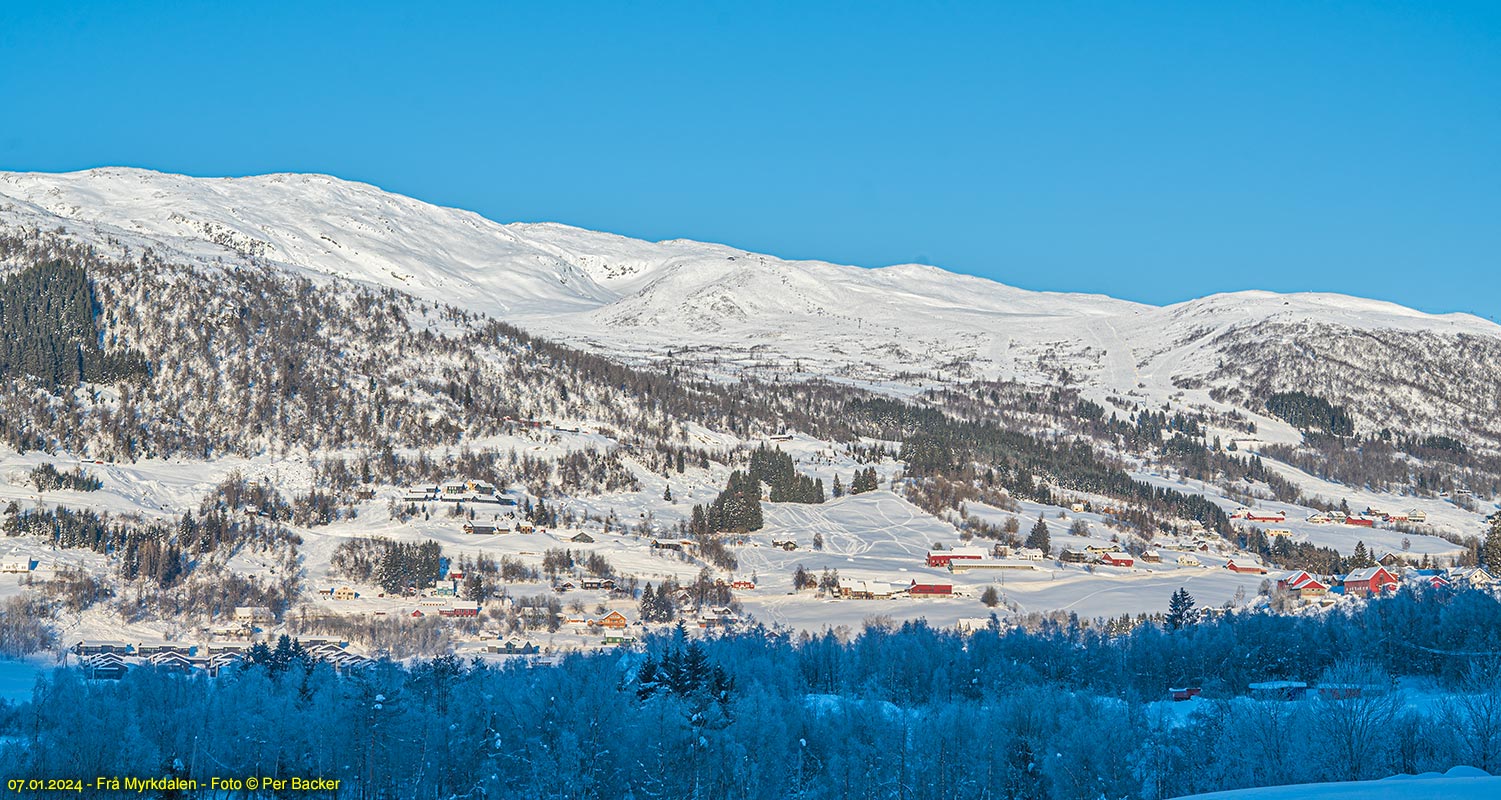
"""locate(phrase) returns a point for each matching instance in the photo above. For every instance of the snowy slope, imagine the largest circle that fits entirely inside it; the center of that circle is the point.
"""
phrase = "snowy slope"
(729, 309)
(1460, 783)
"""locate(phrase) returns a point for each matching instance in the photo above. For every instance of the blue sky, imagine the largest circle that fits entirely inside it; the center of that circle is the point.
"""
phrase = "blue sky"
(1155, 151)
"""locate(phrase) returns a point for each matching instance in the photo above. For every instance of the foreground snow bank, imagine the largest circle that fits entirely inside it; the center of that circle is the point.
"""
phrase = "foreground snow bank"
(1459, 783)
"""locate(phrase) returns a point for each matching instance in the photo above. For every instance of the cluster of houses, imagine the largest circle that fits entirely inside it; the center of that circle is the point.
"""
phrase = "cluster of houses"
(457, 491)
(1381, 579)
(110, 660)
(1368, 518)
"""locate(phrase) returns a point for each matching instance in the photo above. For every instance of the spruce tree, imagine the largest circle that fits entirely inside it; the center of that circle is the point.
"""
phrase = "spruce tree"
(1179, 610)
(1038, 538)
(1490, 552)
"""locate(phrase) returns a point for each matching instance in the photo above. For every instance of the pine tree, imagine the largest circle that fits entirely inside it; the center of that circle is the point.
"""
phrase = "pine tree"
(1180, 610)
(667, 494)
(1038, 537)
(1490, 552)
(838, 487)
(1360, 559)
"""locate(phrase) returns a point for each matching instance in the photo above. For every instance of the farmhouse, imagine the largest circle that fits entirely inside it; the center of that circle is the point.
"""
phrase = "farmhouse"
(865, 590)
(1278, 533)
(581, 538)
(1369, 582)
(514, 647)
(253, 614)
(1245, 566)
(483, 528)
(1151, 557)
(943, 558)
(1072, 556)
(1029, 554)
(1258, 516)
(670, 544)
(1471, 578)
(460, 609)
(1187, 560)
(1364, 522)
(596, 583)
(345, 593)
(1304, 585)
(930, 588)
(21, 565)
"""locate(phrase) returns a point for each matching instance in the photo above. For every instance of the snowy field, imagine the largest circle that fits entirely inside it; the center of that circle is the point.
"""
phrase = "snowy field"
(1460, 783)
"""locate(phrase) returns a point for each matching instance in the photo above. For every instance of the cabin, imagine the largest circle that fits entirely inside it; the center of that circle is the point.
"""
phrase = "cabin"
(930, 588)
(972, 624)
(1278, 690)
(581, 538)
(253, 614)
(480, 528)
(1417, 516)
(597, 583)
(943, 558)
(22, 565)
(1278, 533)
(419, 494)
(1184, 693)
(92, 648)
(345, 593)
(513, 647)
(1245, 567)
(1029, 554)
(1369, 582)
(865, 590)
(1392, 560)
(1151, 557)
(1077, 508)
(1117, 559)
(104, 667)
(144, 649)
(1187, 560)
(1100, 549)
(673, 544)
(460, 609)
(786, 544)
(613, 620)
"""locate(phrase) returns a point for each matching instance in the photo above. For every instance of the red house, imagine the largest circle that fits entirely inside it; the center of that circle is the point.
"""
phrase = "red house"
(460, 610)
(1360, 521)
(1250, 567)
(1117, 559)
(1252, 516)
(931, 588)
(942, 558)
(1369, 582)
(1184, 693)
(742, 585)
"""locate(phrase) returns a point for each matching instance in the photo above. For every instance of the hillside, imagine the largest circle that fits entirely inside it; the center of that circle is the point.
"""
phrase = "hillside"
(724, 310)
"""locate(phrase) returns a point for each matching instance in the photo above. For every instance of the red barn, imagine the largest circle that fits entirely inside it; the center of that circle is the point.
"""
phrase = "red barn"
(1184, 693)
(1369, 581)
(931, 588)
(942, 558)
(1117, 559)
(1246, 567)
(1360, 521)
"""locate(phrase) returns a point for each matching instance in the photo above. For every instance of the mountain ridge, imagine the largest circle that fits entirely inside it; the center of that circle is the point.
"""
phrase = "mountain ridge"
(722, 309)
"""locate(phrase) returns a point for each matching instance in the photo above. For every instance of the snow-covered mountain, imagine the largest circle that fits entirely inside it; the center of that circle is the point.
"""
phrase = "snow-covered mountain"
(727, 309)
